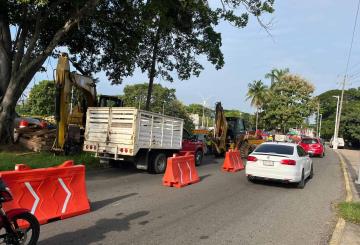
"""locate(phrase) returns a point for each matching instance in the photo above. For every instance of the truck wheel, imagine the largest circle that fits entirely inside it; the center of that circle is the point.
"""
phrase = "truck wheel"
(104, 162)
(159, 163)
(198, 158)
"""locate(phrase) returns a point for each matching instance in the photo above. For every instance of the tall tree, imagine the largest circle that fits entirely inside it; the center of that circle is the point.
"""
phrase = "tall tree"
(178, 32)
(289, 103)
(105, 37)
(257, 93)
(158, 36)
(276, 74)
(41, 99)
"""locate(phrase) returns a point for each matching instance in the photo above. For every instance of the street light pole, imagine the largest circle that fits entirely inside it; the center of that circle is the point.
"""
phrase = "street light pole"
(320, 125)
(317, 118)
(335, 140)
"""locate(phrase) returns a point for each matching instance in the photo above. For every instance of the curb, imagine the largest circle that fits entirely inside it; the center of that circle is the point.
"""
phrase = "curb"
(339, 228)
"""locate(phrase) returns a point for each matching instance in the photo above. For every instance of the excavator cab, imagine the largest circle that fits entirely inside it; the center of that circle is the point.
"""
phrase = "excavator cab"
(110, 101)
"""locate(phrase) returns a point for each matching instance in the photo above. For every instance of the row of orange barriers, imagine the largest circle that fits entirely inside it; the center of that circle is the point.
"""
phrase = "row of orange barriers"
(181, 170)
(49, 193)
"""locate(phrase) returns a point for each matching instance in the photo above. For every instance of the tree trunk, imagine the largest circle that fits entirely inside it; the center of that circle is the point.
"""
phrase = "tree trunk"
(152, 72)
(7, 115)
(257, 119)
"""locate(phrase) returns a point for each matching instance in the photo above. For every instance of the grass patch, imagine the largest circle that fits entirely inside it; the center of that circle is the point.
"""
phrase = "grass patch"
(350, 211)
(44, 159)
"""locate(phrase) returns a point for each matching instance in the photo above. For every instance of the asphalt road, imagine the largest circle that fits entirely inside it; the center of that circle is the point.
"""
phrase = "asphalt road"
(132, 207)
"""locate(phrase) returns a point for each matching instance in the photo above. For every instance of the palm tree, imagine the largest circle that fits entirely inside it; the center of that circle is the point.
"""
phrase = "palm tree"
(276, 74)
(257, 93)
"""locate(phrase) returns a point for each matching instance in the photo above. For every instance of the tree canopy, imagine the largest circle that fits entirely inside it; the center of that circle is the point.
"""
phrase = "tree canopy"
(160, 37)
(350, 120)
(41, 99)
(289, 102)
(163, 99)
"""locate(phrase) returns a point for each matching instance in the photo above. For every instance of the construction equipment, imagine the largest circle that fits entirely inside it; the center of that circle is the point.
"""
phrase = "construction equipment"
(70, 120)
(231, 133)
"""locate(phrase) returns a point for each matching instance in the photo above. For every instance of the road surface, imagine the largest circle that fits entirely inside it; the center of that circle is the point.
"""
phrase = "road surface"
(132, 207)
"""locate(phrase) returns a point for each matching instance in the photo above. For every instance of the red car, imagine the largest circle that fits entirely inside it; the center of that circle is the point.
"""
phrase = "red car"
(190, 143)
(313, 146)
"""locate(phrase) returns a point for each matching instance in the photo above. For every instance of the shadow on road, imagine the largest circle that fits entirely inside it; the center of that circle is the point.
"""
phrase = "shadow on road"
(204, 177)
(100, 204)
(95, 233)
(207, 160)
(277, 184)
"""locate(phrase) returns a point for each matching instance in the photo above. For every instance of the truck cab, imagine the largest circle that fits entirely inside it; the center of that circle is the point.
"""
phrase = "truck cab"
(191, 144)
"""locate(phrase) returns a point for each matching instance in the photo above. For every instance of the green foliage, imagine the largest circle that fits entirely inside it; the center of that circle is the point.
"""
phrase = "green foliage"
(275, 74)
(257, 93)
(198, 109)
(350, 120)
(289, 102)
(350, 211)
(44, 159)
(41, 99)
(163, 98)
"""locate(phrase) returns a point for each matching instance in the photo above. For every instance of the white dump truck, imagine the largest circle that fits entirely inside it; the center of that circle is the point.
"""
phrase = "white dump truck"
(128, 134)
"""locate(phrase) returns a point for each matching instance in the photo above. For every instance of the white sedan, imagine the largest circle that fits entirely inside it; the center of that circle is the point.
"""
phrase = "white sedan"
(285, 162)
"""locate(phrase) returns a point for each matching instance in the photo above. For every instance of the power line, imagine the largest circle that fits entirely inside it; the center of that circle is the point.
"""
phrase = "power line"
(346, 70)
(352, 38)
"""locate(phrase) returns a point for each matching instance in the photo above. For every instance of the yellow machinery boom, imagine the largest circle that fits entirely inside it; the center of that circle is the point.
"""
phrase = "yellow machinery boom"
(64, 81)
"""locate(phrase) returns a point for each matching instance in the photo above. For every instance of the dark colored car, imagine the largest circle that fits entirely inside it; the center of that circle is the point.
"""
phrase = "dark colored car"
(313, 146)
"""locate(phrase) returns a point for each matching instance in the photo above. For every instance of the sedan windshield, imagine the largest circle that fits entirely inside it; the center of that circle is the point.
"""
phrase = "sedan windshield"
(275, 149)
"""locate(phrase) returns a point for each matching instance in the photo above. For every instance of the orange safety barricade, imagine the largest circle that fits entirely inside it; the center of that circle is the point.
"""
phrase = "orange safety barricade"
(180, 171)
(49, 193)
(233, 161)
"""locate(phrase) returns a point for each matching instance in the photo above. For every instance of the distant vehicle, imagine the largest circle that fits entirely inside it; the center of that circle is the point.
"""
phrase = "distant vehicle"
(284, 162)
(341, 142)
(313, 146)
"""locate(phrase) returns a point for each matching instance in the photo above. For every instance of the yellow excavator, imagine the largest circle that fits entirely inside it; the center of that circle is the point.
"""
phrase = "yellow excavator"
(70, 120)
(229, 133)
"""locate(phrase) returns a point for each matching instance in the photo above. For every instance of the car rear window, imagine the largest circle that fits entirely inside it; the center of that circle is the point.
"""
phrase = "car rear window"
(310, 141)
(275, 149)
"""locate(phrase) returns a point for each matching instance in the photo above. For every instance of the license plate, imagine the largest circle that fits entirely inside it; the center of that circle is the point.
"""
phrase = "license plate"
(268, 163)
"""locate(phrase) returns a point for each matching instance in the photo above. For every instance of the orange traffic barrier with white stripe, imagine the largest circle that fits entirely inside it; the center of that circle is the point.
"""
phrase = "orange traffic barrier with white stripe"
(49, 193)
(233, 161)
(180, 171)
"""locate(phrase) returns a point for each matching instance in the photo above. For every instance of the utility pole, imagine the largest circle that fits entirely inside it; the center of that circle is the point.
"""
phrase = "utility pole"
(341, 104)
(317, 118)
(335, 141)
(320, 126)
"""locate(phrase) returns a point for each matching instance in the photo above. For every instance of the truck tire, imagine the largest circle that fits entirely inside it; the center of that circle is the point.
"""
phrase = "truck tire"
(158, 163)
(104, 162)
(198, 157)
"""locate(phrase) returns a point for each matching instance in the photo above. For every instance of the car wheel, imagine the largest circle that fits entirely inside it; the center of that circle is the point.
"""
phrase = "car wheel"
(311, 172)
(301, 184)
(198, 158)
(250, 178)
(159, 163)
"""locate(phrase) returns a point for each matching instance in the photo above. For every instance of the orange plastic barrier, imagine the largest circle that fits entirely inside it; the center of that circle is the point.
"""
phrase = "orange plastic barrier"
(233, 161)
(180, 171)
(50, 193)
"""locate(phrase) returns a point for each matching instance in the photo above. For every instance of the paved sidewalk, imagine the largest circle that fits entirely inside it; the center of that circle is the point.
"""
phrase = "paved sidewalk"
(351, 233)
(352, 158)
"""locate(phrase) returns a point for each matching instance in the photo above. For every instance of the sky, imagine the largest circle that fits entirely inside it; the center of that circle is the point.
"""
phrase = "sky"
(310, 37)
